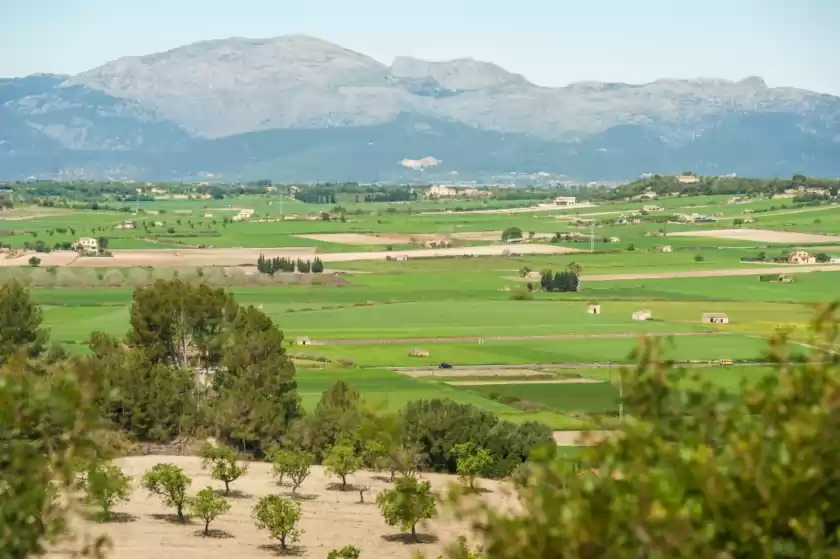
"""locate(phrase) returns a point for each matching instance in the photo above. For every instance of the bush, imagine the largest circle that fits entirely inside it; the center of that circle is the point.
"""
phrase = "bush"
(34, 261)
(692, 460)
(511, 233)
(346, 552)
(699, 258)
(521, 293)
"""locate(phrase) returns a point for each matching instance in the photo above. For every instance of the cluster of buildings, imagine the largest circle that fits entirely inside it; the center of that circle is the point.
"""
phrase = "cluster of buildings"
(446, 191)
(801, 191)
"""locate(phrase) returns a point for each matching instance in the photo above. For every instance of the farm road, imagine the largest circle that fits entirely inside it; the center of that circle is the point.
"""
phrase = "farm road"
(478, 339)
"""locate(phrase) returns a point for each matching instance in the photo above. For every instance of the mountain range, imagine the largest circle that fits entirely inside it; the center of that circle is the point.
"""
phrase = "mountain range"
(296, 108)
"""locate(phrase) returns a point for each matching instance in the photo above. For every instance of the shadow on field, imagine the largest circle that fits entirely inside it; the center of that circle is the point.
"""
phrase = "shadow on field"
(291, 551)
(338, 487)
(408, 539)
(233, 494)
(386, 479)
(117, 518)
(302, 496)
(171, 518)
(215, 534)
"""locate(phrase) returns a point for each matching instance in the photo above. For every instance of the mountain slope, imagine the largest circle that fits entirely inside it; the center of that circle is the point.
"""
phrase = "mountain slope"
(297, 106)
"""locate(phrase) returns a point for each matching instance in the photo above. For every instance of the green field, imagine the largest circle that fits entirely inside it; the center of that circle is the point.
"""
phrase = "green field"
(569, 398)
(384, 309)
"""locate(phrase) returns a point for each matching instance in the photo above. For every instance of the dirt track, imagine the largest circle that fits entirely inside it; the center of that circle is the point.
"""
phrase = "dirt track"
(759, 236)
(618, 335)
(755, 271)
(186, 257)
(503, 382)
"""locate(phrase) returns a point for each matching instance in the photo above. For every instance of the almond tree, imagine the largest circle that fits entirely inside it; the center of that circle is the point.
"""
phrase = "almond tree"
(280, 517)
(207, 506)
(168, 482)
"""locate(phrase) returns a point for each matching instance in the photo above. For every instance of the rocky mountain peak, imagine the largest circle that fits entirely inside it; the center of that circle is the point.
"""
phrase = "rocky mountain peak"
(461, 74)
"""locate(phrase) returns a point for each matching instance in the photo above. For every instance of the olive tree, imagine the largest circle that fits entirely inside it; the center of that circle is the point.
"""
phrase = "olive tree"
(170, 483)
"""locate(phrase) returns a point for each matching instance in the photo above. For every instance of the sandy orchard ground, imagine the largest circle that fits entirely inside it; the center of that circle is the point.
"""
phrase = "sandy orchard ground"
(530, 382)
(330, 519)
(760, 236)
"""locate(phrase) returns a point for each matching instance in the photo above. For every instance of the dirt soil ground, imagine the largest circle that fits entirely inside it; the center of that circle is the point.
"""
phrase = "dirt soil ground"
(785, 269)
(183, 257)
(330, 519)
(471, 372)
(359, 238)
(199, 257)
(501, 382)
(760, 236)
(35, 212)
(576, 438)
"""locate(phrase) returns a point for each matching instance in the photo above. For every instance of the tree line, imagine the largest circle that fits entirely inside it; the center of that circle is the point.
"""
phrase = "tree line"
(271, 266)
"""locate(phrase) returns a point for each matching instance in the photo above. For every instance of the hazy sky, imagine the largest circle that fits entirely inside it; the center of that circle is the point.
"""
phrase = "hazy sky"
(552, 42)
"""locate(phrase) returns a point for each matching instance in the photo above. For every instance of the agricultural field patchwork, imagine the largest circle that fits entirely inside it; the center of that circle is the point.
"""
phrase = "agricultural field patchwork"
(388, 309)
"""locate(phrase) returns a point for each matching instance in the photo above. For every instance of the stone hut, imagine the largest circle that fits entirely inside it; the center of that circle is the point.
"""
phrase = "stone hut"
(715, 318)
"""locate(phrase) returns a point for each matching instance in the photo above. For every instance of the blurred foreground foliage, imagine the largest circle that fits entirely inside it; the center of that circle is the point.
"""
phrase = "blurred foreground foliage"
(692, 472)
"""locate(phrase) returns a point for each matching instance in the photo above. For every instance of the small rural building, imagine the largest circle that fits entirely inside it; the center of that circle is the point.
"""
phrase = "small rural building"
(401, 257)
(593, 308)
(834, 260)
(303, 340)
(715, 318)
(436, 243)
(88, 244)
(665, 248)
(687, 179)
(418, 353)
(653, 208)
(208, 214)
(613, 240)
(801, 257)
(565, 201)
(127, 224)
(642, 315)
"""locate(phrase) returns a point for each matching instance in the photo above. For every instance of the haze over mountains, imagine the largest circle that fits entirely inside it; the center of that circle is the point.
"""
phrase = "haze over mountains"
(299, 108)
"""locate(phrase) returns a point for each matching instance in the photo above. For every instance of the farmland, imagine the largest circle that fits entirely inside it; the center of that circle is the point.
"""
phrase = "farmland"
(372, 312)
